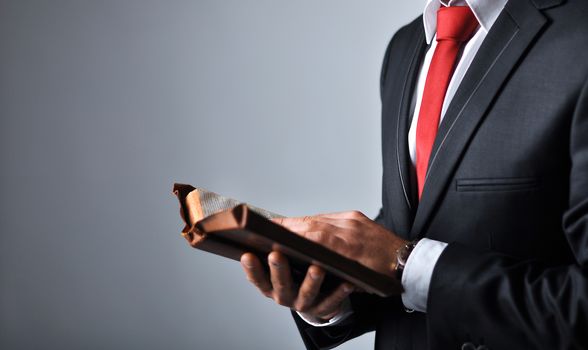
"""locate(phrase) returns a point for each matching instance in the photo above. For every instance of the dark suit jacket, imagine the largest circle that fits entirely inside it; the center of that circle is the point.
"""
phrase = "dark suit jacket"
(507, 188)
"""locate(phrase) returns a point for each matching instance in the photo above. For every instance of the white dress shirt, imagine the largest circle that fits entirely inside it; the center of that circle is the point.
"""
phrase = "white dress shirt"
(418, 270)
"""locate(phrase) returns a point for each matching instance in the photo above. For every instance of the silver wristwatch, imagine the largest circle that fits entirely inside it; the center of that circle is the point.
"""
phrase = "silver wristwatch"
(402, 255)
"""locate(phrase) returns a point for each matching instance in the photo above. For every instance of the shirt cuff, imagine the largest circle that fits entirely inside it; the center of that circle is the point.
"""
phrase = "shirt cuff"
(346, 311)
(418, 271)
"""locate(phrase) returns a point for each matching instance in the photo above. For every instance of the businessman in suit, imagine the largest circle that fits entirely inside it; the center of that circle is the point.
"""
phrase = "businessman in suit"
(484, 215)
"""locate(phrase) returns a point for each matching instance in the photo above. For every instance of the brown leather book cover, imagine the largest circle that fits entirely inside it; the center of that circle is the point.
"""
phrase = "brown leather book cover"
(240, 229)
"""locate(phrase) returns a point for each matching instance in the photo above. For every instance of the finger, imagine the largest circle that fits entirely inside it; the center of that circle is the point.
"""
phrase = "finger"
(309, 228)
(281, 279)
(336, 222)
(331, 237)
(309, 289)
(322, 232)
(297, 226)
(292, 220)
(256, 274)
(331, 305)
(323, 222)
(295, 221)
(350, 214)
(327, 239)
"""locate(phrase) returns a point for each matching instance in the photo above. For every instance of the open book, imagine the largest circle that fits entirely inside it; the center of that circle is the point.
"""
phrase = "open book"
(225, 227)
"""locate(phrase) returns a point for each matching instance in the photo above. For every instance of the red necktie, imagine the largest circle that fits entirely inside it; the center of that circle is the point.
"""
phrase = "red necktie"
(455, 25)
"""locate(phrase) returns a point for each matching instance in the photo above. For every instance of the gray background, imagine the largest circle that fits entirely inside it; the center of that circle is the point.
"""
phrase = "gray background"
(104, 104)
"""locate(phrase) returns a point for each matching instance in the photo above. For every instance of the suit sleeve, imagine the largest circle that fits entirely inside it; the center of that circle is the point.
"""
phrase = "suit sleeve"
(368, 310)
(506, 303)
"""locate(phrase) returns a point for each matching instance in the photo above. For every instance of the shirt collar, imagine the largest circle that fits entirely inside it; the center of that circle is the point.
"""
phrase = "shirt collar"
(486, 12)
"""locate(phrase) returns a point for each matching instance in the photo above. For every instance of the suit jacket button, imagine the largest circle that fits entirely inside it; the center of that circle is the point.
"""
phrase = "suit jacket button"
(468, 346)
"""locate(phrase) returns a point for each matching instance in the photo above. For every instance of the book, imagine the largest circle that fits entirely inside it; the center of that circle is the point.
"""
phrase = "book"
(226, 227)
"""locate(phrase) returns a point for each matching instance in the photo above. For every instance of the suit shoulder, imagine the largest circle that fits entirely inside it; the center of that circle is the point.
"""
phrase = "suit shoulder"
(569, 14)
(409, 30)
(567, 31)
(398, 46)
(404, 36)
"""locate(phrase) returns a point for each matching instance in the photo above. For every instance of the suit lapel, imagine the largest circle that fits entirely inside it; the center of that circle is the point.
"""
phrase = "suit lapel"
(513, 32)
(399, 96)
(404, 119)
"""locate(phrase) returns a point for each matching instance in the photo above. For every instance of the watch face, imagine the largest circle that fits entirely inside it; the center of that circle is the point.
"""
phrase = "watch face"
(402, 255)
(404, 252)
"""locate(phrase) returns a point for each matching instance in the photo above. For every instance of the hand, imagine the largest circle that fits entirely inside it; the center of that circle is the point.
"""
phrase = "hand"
(279, 286)
(352, 235)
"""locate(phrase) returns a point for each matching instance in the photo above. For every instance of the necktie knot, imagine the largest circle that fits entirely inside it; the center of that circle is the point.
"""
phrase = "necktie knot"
(456, 23)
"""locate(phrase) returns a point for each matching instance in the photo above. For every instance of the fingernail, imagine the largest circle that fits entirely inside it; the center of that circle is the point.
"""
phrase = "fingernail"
(315, 276)
(275, 264)
(347, 289)
(249, 266)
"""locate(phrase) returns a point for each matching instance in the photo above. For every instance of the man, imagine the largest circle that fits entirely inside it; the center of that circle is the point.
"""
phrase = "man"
(485, 189)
